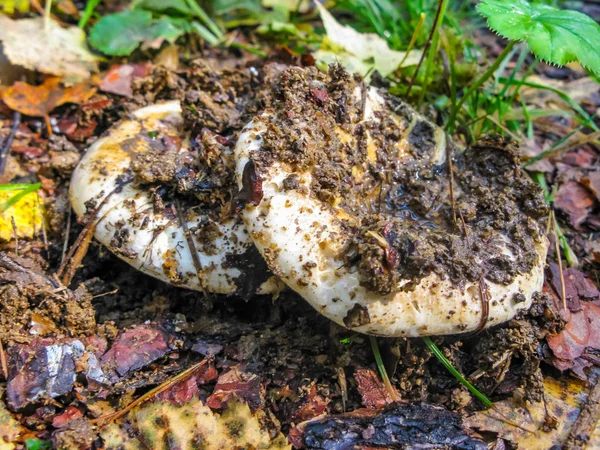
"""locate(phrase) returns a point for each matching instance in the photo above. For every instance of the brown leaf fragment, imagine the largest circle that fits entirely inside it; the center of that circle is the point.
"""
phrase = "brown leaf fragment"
(582, 331)
(592, 182)
(313, 405)
(575, 201)
(118, 79)
(239, 383)
(372, 391)
(39, 101)
(136, 348)
(577, 286)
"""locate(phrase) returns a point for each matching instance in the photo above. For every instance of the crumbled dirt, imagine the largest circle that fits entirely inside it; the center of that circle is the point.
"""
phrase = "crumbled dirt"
(393, 203)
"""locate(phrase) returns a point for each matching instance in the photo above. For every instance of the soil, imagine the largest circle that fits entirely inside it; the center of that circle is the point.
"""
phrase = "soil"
(289, 361)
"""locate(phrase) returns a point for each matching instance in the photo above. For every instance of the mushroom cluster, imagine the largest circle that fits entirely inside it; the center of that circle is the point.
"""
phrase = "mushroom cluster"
(343, 192)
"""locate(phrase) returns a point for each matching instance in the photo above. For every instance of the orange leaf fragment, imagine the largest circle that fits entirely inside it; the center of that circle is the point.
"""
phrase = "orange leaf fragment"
(38, 101)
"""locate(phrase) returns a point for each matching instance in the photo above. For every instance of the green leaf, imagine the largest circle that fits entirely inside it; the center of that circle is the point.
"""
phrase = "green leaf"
(553, 35)
(180, 6)
(121, 33)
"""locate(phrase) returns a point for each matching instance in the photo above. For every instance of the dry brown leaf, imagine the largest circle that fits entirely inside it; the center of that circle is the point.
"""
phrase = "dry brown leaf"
(48, 48)
(38, 101)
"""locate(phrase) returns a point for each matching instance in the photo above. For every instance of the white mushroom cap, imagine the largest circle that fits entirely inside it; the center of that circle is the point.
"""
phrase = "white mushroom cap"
(149, 239)
(303, 242)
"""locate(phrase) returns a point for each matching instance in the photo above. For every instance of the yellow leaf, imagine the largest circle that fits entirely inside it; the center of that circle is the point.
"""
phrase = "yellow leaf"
(26, 213)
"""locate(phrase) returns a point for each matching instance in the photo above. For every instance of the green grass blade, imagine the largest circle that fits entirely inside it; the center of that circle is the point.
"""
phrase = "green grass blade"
(90, 7)
(462, 380)
(381, 369)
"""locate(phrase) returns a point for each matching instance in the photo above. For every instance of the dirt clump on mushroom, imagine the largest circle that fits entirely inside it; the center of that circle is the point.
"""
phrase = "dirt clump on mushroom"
(468, 215)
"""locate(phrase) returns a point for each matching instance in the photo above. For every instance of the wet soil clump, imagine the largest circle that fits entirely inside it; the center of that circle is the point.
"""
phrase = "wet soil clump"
(416, 203)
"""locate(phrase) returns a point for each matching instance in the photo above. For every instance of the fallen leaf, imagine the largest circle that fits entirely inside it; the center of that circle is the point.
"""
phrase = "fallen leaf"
(26, 212)
(363, 52)
(10, 430)
(575, 201)
(580, 335)
(238, 383)
(540, 425)
(118, 79)
(313, 405)
(39, 101)
(371, 389)
(136, 348)
(47, 47)
(165, 425)
(592, 182)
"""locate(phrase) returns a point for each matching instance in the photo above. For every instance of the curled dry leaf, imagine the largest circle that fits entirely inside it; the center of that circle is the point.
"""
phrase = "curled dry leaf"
(362, 52)
(48, 48)
(38, 101)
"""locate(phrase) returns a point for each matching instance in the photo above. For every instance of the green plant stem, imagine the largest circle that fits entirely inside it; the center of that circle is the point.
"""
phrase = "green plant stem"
(462, 380)
(414, 37)
(90, 7)
(381, 368)
(450, 125)
(199, 12)
(47, 12)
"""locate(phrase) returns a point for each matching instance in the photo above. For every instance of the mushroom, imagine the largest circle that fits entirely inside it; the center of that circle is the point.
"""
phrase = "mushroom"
(378, 220)
(181, 241)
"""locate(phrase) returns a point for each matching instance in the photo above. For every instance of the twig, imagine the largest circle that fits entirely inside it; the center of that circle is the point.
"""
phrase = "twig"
(78, 256)
(563, 294)
(16, 234)
(451, 175)
(102, 421)
(3, 363)
(191, 245)
(67, 235)
(5, 149)
(485, 304)
(427, 45)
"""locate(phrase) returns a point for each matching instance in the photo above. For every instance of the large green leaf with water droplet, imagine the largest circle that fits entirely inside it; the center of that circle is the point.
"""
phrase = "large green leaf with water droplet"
(553, 35)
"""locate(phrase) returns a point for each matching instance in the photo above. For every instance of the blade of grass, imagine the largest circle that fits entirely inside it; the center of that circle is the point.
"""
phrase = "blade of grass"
(90, 7)
(462, 380)
(450, 124)
(199, 12)
(381, 369)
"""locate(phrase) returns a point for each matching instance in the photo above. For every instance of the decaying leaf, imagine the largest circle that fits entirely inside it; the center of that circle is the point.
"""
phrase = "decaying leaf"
(38, 101)
(362, 52)
(26, 213)
(10, 429)
(536, 425)
(48, 48)
(162, 424)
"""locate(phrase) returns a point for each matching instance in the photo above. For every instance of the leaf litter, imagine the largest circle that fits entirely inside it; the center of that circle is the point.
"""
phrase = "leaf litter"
(47, 47)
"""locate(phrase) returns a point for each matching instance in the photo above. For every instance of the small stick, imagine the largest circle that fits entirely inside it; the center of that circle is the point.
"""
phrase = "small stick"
(191, 245)
(81, 251)
(427, 45)
(67, 235)
(451, 173)
(5, 149)
(14, 227)
(485, 304)
(563, 293)
(102, 421)
(43, 219)
(3, 363)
